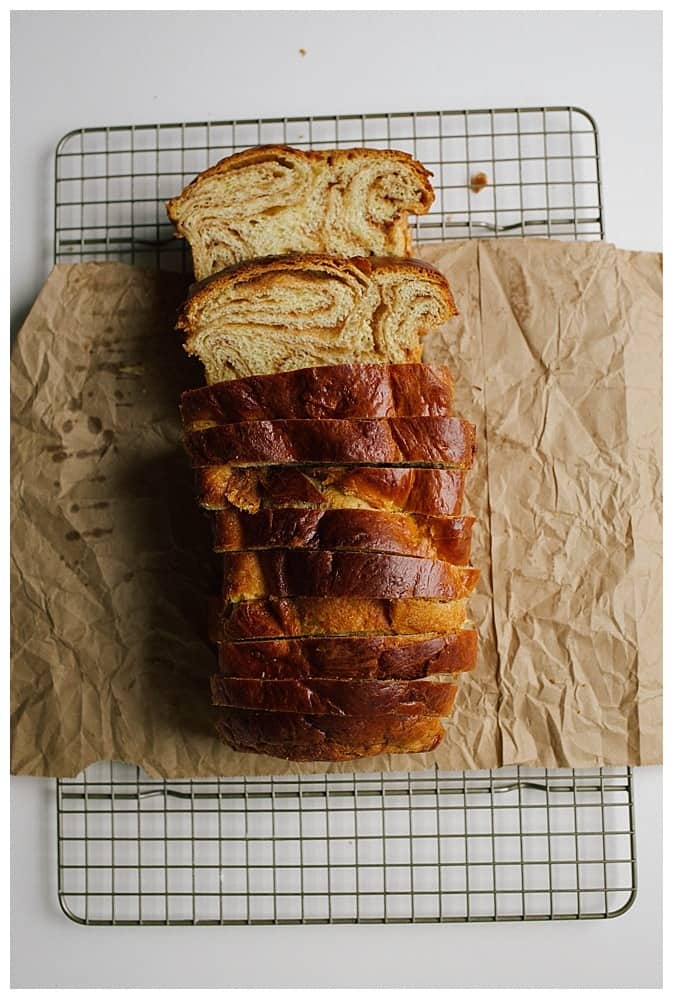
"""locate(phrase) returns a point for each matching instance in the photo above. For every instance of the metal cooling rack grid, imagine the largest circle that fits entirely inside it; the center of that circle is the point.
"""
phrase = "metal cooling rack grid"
(509, 844)
(495, 845)
(542, 165)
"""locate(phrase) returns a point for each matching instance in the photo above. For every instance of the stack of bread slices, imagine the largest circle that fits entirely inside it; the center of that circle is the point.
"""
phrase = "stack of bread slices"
(328, 454)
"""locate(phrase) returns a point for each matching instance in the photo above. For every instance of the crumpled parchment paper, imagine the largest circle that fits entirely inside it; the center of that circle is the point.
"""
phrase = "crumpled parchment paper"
(557, 359)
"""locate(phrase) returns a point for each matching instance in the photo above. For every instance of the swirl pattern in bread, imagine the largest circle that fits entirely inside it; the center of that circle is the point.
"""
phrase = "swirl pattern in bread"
(276, 315)
(276, 200)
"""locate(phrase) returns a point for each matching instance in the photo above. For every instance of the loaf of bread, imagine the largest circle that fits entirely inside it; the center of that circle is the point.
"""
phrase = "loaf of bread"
(420, 440)
(445, 538)
(333, 392)
(326, 737)
(328, 453)
(435, 492)
(275, 200)
(302, 617)
(355, 698)
(286, 572)
(375, 657)
(276, 315)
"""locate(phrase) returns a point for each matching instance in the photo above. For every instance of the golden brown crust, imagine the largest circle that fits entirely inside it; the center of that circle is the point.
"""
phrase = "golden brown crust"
(375, 657)
(352, 698)
(428, 491)
(300, 617)
(338, 391)
(284, 572)
(329, 738)
(445, 538)
(422, 440)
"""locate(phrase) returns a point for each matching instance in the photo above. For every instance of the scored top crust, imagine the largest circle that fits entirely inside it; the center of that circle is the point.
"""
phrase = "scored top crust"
(276, 200)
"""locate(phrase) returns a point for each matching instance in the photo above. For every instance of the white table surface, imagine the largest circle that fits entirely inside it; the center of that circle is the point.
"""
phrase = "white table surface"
(77, 69)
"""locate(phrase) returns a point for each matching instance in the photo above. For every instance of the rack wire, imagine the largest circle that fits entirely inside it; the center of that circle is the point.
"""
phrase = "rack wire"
(508, 844)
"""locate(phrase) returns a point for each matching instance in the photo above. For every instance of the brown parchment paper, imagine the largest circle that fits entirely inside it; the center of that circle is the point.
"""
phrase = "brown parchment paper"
(557, 359)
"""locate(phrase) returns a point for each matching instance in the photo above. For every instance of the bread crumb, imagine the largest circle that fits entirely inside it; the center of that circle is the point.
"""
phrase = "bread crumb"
(302, 52)
(478, 182)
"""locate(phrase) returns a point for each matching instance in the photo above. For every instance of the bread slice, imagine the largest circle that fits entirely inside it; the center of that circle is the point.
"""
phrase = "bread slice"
(273, 200)
(354, 698)
(276, 315)
(339, 391)
(375, 657)
(303, 617)
(326, 737)
(419, 440)
(429, 491)
(445, 538)
(284, 572)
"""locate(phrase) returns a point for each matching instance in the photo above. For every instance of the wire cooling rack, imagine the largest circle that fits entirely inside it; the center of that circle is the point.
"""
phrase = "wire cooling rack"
(541, 166)
(508, 844)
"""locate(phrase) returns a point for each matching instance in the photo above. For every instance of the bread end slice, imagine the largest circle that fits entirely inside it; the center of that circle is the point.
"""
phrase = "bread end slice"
(274, 200)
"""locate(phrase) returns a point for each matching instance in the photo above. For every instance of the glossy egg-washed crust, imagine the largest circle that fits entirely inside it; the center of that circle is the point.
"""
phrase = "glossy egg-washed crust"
(354, 698)
(430, 440)
(301, 617)
(283, 572)
(326, 737)
(344, 584)
(339, 391)
(375, 657)
(445, 538)
(434, 492)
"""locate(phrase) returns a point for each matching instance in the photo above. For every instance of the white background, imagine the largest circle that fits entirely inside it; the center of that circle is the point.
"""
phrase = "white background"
(77, 69)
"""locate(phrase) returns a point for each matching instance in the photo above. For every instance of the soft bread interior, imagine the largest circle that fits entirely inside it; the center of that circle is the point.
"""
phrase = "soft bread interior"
(275, 316)
(276, 200)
